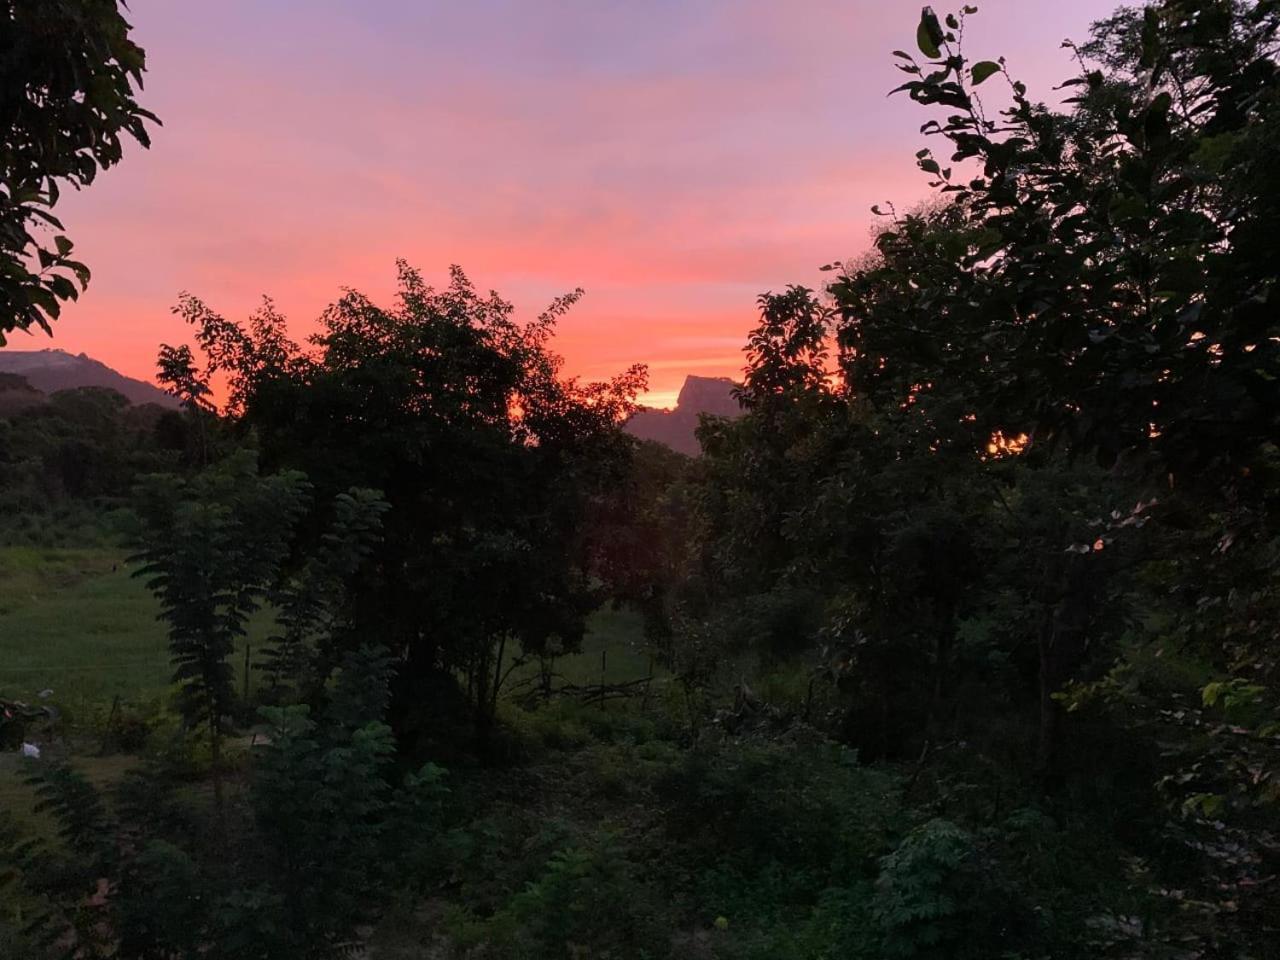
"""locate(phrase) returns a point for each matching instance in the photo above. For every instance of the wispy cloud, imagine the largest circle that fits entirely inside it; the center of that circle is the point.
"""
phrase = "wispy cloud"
(673, 158)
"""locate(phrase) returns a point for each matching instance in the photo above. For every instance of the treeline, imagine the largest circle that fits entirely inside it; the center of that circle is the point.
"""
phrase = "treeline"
(69, 461)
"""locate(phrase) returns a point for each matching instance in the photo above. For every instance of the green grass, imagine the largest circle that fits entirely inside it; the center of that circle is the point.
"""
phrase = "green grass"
(619, 635)
(613, 651)
(77, 622)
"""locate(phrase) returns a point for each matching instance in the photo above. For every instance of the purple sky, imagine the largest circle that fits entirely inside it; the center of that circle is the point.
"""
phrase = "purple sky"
(673, 158)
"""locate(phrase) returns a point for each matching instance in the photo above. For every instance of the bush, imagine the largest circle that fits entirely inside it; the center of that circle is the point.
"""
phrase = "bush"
(939, 897)
(801, 806)
(587, 895)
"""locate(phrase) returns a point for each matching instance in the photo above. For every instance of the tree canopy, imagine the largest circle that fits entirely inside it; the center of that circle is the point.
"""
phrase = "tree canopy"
(487, 455)
(68, 73)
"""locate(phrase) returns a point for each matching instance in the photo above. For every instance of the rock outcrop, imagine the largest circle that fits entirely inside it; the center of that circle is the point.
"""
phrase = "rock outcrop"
(675, 427)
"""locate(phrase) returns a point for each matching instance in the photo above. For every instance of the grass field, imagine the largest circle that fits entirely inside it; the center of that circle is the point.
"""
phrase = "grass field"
(612, 651)
(78, 622)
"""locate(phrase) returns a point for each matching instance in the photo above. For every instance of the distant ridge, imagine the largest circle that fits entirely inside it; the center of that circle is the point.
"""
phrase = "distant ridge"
(52, 370)
(675, 428)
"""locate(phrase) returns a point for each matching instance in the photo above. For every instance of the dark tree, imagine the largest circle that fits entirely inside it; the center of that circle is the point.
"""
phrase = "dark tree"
(68, 73)
(487, 455)
(212, 546)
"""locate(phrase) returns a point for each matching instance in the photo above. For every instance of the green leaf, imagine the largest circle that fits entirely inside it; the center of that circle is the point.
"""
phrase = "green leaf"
(81, 272)
(1203, 804)
(63, 288)
(984, 69)
(929, 34)
(46, 301)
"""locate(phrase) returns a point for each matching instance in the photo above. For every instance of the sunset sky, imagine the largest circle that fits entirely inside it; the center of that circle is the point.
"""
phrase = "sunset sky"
(673, 158)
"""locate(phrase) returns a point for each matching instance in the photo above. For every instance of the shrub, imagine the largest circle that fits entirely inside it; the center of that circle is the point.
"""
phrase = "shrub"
(938, 896)
(587, 895)
(802, 806)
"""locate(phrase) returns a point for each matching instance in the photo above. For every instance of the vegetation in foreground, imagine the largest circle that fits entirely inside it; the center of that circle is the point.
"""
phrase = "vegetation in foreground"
(958, 643)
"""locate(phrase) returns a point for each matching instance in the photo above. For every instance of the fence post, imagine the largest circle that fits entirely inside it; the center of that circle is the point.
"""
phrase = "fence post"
(604, 654)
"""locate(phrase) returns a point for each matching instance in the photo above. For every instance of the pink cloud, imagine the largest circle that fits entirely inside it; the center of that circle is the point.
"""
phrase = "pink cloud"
(673, 159)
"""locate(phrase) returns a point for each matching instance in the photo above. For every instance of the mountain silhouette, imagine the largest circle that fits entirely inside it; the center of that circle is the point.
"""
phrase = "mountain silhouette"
(52, 370)
(675, 427)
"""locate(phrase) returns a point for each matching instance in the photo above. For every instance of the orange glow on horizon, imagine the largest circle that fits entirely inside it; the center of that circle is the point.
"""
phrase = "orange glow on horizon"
(675, 162)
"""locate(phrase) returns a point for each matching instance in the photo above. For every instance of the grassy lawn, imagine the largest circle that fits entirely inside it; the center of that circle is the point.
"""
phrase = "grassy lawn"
(619, 636)
(77, 621)
(613, 651)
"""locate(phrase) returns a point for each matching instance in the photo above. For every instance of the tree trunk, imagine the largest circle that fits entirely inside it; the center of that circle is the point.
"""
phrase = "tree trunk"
(1063, 644)
(497, 678)
(215, 754)
(1046, 743)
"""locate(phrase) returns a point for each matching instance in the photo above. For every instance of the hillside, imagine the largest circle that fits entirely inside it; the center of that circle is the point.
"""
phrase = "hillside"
(52, 370)
(675, 427)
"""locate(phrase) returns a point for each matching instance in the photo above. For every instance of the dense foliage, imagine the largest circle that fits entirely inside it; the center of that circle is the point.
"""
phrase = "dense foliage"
(488, 458)
(69, 461)
(68, 70)
(1027, 510)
